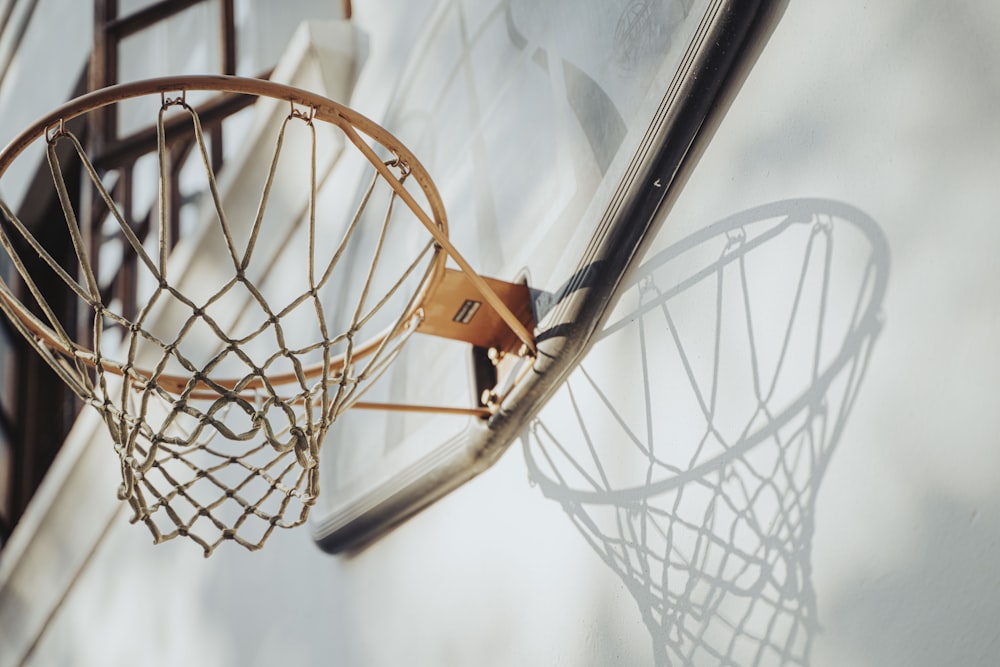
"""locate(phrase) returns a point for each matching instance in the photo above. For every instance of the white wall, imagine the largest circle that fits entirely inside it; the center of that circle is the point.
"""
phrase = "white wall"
(881, 114)
(42, 59)
(891, 110)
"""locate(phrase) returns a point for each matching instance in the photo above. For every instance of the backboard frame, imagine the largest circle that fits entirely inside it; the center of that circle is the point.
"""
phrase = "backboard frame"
(728, 38)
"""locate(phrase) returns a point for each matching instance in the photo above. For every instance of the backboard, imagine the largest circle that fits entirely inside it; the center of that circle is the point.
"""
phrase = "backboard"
(555, 133)
(544, 142)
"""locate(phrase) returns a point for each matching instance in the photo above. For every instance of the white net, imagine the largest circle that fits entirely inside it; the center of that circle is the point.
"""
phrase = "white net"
(218, 394)
(689, 446)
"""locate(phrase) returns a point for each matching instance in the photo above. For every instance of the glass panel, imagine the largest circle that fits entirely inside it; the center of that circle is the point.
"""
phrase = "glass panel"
(542, 108)
(6, 449)
(187, 43)
(6, 470)
(129, 7)
(264, 27)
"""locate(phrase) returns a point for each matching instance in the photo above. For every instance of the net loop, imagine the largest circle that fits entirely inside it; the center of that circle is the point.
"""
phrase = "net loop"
(55, 130)
(296, 112)
(173, 101)
(400, 164)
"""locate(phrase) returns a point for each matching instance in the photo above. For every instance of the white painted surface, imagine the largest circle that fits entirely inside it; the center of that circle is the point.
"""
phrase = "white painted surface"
(888, 108)
(43, 65)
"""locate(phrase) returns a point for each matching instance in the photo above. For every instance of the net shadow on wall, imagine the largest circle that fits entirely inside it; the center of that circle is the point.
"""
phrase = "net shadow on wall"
(689, 446)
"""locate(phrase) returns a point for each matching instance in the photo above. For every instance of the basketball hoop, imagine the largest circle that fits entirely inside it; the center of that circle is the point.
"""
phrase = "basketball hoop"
(206, 452)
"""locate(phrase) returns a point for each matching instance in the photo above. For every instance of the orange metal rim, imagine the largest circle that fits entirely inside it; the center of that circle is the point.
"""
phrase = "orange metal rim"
(320, 108)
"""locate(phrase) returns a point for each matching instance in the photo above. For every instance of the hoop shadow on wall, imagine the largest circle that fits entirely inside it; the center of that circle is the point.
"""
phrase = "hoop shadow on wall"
(689, 446)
